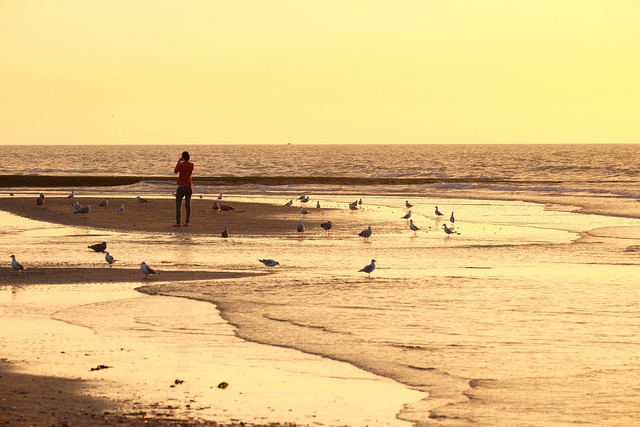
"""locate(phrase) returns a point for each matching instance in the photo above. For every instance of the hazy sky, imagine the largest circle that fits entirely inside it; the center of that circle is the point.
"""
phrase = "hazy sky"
(243, 71)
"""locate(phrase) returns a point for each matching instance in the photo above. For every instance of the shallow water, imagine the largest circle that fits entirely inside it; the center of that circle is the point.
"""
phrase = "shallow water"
(529, 316)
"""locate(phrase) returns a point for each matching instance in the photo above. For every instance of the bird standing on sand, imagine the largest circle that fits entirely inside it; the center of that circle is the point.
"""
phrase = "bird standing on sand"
(318, 204)
(71, 195)
(369, 268)
(303, 211)
(110, 259)
(289, 203)
(17, 267)
(120, 209)
(413, 227)
(326, 226)
(220, 196)
(304, 199)
(366, 233)
(438, 213)
(146, 269)
(76, 205)
(104, 203)
(300, 228)
(447, 230)
(353, 206)
(142, 200)
(407, 215)
(99, 247)
(269, 263)
(40, 200)
(407, 204)
(225, 233)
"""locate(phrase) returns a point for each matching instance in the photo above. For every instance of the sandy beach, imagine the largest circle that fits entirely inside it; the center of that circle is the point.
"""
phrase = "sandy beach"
(158, 215)
(71, 399)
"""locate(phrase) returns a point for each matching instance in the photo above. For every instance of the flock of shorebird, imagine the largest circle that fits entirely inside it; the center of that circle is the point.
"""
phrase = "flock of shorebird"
(219, 206)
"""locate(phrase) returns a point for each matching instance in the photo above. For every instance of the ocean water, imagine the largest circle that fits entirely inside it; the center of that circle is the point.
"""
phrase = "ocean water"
(530, 316)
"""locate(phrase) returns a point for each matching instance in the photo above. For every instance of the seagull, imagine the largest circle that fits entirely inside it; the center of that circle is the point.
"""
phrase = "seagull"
(216, 206)
(225, 233)
(225, 208)
(360, 202)
(40, 200)
(304, 199)
(99, 247)
(318, 204)
(300, 227)
(438, 213)
(407, 204)
(413, 227)
(83, 210)
(447, 230)
(303, 211)
(110, 259)
(120, 209)
(369, 268)
(104, 203)
(71, 195)
(353, 206)
(326, 226)
(289, 203)
(147, 270)
(407, 215)
(142, 200)
(452, 219)
(41, 196)
(220, 196)
(269, 263)
(17, 267)
(76, 205)
(365, 233)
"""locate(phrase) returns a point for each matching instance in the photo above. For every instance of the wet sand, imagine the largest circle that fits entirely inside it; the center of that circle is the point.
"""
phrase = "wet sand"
(59, 399)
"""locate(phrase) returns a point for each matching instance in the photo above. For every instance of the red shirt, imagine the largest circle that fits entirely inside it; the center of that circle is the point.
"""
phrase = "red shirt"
(185, 169)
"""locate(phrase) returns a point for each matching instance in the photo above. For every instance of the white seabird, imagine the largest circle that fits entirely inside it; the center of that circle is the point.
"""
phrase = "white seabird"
(142, 200)
(104, 202)
(269, 263)
(17, 267)
(146, 269)
(109, 258)
(71, 195)
(369, 268)
(120, 209)
(438, 213)
(303, 211)
(366, 233)
(447, 230)
(76, 205)
(413, 227)
(289, 203)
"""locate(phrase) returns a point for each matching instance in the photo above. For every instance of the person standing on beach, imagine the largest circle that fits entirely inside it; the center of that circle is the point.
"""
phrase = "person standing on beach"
(184, 168)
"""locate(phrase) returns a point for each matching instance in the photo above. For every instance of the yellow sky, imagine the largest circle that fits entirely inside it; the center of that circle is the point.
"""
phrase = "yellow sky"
(242, 71)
